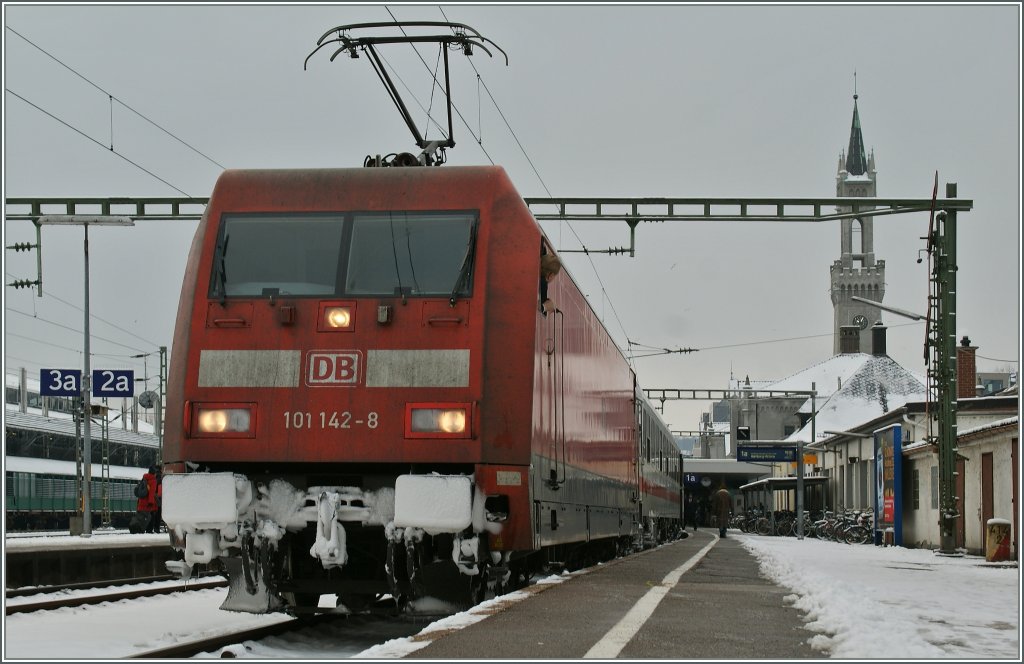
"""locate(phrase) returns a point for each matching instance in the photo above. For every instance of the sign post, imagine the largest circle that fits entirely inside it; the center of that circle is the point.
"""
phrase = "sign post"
(85, 221)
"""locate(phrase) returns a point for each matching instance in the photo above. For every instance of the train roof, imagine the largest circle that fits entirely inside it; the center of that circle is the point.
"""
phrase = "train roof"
(67, 468)
(273, 183)
(62, 423)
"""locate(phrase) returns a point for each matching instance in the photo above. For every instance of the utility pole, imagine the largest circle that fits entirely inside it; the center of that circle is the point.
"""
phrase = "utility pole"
(942, 370)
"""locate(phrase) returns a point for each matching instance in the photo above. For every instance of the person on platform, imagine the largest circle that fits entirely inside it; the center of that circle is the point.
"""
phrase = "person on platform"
(722, 505)
(149, 505)
(690, 513)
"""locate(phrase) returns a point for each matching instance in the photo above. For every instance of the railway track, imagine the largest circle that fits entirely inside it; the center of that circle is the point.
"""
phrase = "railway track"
(29, 591)
(318, 628)
(193, 648)
(82, 600)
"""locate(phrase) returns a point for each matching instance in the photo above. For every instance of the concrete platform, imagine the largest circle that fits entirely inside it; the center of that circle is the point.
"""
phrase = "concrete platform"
(44, 561)
(720, 608)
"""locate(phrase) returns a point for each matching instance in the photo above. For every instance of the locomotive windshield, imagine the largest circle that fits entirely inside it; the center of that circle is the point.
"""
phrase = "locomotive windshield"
(360, 254)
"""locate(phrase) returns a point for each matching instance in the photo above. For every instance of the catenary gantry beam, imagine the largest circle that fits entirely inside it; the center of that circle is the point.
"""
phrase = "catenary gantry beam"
(731, 209)
(162, 209)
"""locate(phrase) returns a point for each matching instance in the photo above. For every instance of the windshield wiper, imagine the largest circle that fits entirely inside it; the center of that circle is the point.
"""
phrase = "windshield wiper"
(467, 261)
(222, 272)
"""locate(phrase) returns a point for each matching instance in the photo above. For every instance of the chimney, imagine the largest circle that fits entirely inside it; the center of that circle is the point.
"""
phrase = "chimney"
(966, 369)
(878, 339)
(849, 339)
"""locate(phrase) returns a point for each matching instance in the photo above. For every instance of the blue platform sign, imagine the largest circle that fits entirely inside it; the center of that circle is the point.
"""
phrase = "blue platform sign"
(60, 382)
(113, 383)
(766, 453)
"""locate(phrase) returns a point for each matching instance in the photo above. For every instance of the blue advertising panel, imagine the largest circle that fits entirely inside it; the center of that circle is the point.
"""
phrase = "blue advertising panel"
(889, 484)
(60, 382)
(113, 383)
(765, 453)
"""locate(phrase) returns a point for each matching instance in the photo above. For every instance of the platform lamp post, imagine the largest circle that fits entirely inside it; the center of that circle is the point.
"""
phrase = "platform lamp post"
(85, 221)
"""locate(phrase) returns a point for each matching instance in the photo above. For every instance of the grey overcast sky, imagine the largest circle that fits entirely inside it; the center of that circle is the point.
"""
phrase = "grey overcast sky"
(608, 100)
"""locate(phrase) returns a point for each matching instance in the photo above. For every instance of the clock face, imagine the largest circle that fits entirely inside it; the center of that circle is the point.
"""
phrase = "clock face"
(860, 321)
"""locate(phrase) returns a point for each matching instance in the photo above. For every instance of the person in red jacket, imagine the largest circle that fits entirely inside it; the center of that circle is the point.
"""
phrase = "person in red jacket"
(150, 503)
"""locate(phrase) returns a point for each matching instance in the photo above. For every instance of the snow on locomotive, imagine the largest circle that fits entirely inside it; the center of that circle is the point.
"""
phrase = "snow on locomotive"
(367, 399)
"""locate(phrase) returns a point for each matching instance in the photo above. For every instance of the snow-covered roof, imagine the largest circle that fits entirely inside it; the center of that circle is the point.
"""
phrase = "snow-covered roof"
(827, 376)
(993, 399)
(990, 425)
(56, 467)
(857, 388)
(62, 423)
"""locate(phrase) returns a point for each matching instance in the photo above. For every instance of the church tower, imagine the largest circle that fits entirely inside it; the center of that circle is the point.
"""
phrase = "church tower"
(856, 272)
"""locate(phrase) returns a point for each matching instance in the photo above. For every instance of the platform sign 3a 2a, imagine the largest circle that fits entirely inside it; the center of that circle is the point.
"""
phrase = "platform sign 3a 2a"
(105, 383)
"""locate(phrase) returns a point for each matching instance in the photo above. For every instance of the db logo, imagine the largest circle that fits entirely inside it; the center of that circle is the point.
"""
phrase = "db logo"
(333, 367)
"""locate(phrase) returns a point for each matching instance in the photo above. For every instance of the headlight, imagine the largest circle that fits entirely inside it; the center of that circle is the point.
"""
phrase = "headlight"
(435, 420)
(438, 420)
(222, 420)
(337, 317)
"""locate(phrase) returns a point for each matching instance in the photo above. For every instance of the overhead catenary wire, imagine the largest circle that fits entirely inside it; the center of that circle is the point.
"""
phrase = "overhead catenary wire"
(105, 148)
(993, 359)
(92, 316)
(119, 101)
(660, 350)
(45, 343)
(122, 359)
(67, 327)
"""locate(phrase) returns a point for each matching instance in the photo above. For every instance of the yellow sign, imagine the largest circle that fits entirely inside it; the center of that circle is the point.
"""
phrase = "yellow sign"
(810, 459)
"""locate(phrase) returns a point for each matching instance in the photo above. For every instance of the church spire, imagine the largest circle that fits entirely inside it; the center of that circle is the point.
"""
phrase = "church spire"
(856, 159)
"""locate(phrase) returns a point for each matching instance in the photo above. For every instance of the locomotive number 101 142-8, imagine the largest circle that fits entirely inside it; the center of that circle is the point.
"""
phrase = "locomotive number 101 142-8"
(301, 419)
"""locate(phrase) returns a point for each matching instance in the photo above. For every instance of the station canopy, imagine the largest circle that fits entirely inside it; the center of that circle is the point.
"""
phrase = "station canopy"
(783, 483)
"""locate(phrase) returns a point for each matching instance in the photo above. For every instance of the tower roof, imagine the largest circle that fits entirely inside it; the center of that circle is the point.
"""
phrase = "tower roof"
(856, 158)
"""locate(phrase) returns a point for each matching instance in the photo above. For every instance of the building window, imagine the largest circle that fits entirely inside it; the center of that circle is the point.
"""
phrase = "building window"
(935, 487)
(992, 385)
(916, 485)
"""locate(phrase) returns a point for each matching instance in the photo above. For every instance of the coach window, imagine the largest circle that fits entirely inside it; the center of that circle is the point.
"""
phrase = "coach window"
(407, 253)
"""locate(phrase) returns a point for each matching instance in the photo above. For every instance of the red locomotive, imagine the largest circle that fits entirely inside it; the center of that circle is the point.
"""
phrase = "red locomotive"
(366, 396)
